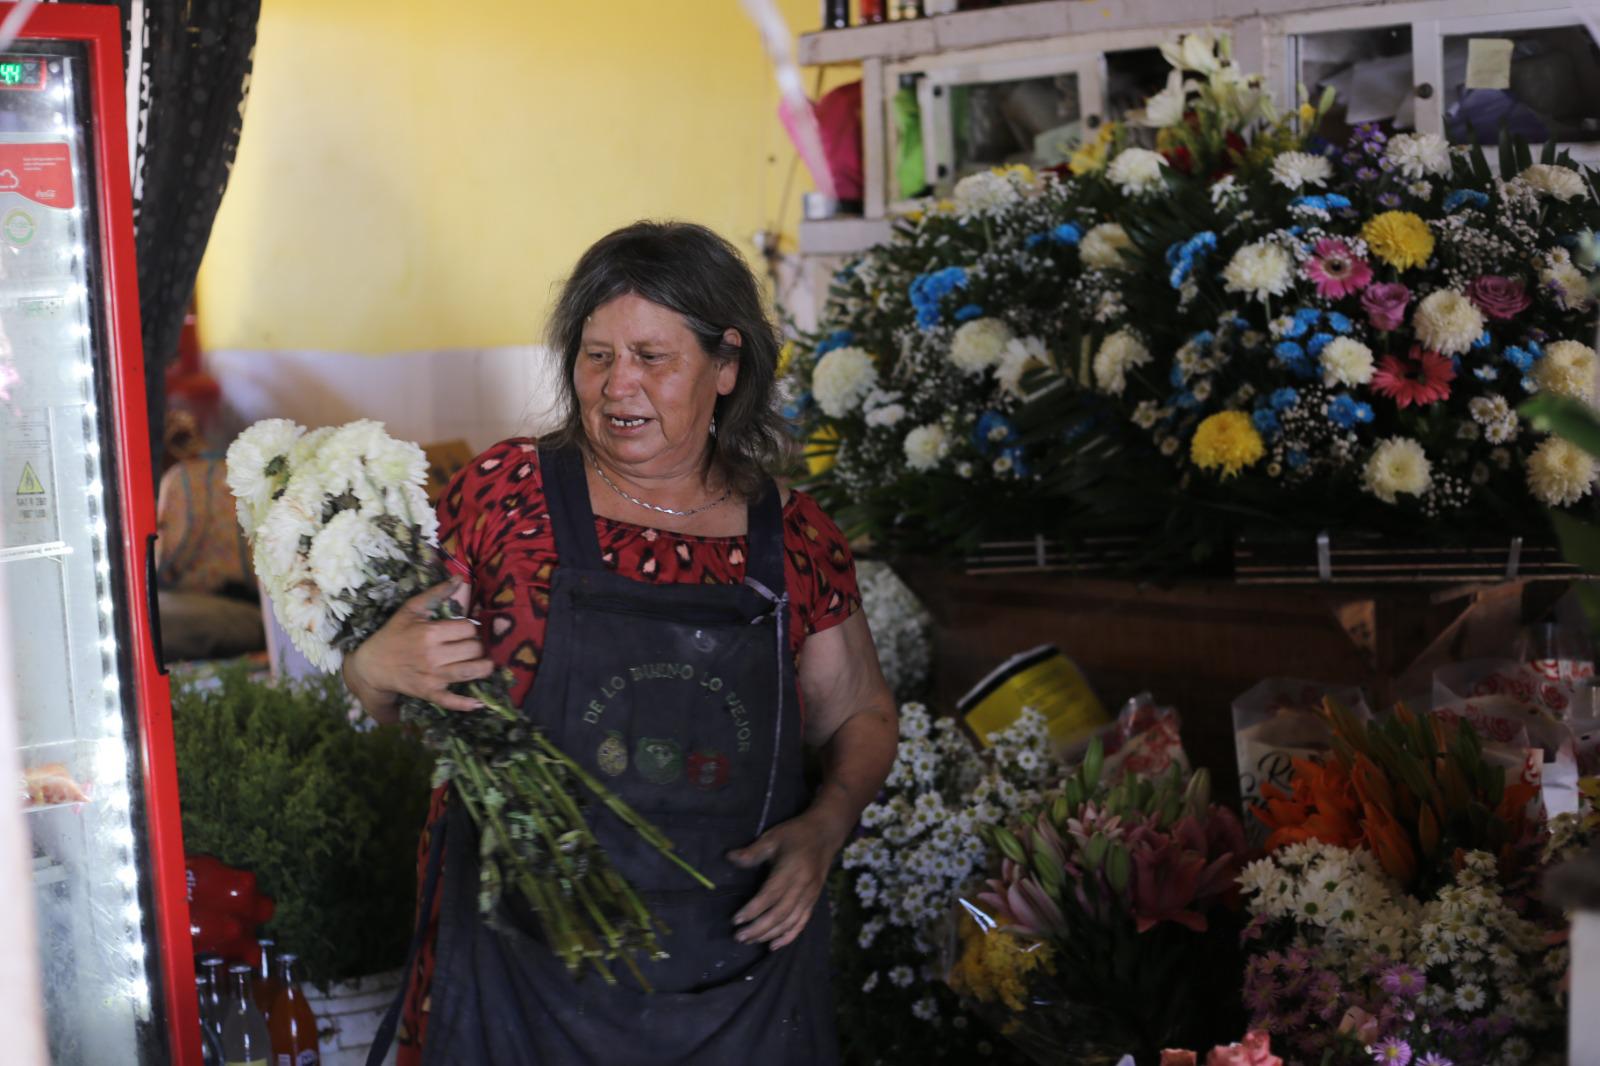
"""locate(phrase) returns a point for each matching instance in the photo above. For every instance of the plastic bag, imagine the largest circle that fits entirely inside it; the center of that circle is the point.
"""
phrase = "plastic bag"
(1522, 714)
(1276, 722)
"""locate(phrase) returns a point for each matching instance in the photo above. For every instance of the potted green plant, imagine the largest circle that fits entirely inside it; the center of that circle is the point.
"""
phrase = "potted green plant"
(275, 779)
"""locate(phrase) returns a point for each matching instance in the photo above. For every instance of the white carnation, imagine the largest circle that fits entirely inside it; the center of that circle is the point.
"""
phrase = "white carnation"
(979, 344)
(926, 446)
(1261, 270)
(1419, 155)
(1136, 171)
(1021, 355)
(259, 462)
(985, 193)
(1447, 322)
(1118, 353)
(1102, 247)
(1568, 369)
(1398, 465)
(1560, 473)
(1295, 170)
(1346, 362)
(1558, 182)
(842, 379)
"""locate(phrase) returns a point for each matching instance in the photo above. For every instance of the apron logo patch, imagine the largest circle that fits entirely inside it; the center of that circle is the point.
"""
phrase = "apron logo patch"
(659, 760)
(612, 755)
(708, 770)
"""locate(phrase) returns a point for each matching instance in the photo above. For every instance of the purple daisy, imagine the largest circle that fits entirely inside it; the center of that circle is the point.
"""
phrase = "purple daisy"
(1391, 1052)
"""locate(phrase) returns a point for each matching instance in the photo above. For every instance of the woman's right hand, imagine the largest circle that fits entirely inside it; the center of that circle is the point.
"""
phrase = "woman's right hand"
(415, 654)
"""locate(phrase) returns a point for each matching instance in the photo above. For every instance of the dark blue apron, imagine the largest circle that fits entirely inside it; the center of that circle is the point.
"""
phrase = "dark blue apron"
(682, 699)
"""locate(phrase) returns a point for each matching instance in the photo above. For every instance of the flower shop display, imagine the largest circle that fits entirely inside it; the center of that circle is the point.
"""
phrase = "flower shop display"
(1212, 322)
(918, 847)
(1126, 885)
(900, 627)
(342, 536)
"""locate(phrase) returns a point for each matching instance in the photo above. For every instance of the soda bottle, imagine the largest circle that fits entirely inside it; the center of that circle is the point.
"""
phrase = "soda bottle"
(266, 985)
(213, 1002)
(294, 1027)
(245, 1040)
(210, 1050)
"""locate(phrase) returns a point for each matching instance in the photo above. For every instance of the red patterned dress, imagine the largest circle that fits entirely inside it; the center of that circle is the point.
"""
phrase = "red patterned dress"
(493, 523)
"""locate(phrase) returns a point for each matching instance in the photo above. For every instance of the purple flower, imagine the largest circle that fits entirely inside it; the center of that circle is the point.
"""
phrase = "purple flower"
(1402, 980)
(1261, 996)
(1392, 1052)
(1390, 200)
(1367, 174)
(1385, 304)
(1433, 1058)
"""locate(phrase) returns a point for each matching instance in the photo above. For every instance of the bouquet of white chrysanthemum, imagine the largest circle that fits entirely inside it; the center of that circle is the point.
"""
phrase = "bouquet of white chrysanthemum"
(343, 536)
(899, 624)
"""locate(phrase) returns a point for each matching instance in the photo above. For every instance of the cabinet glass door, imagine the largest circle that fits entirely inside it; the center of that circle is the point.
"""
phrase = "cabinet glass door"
(1370, 71)
(1541, 83)
(64, 592)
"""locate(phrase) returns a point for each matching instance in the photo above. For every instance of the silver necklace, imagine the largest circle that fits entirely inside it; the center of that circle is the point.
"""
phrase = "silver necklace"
(620, 491)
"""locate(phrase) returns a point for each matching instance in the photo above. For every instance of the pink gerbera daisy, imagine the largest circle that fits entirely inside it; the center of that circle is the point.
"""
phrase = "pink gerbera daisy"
(1420, 378)
(1336, 270)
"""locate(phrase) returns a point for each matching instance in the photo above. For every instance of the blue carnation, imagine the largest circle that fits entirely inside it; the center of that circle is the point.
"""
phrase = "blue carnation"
(1308, 315)
(927, 290)
(1336, 202)
(984, 435)
(1176, 377)
(1483, 341)
(1066, 233)
(1318, 342)
(1204, 339)
(1465, 196)
(1184, 256)
(1289, 352)
(1185, 401)
(1520, 358)
(1033, 240)
(839, 338)
(1297, 458)
(1346, 412)
(1283, 399)
(1266, 421)
(968, 313)
(1339, 323)
(1296, 328)
(1309, 203)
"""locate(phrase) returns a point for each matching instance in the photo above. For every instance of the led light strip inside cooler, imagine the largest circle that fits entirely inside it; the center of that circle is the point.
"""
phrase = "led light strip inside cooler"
(118, 916)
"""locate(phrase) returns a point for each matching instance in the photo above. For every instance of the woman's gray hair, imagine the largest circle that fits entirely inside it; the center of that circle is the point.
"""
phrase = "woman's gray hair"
(688, 269)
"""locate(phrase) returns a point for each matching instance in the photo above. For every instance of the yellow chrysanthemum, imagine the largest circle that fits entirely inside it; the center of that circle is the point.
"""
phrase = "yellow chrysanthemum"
(820, 450)
(1227, 441)
(994, 966)
(1399, 238)
(1091, 155)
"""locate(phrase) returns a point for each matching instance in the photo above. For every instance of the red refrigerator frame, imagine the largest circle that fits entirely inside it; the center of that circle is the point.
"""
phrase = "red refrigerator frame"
(100, 30)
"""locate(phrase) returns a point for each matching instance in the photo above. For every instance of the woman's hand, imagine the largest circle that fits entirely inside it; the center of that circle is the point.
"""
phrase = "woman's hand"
(851, 716)
(800, 850)
(415, 654)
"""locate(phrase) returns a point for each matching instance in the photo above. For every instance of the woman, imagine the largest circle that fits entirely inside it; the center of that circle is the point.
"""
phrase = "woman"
(679, 624)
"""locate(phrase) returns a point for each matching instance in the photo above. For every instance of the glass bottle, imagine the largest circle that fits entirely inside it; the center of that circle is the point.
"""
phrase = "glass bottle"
(245, 1040)
(870, 11)
(294, 1026)
(266, 982)
(835, 14)
(210, 1049)
(214, 1001)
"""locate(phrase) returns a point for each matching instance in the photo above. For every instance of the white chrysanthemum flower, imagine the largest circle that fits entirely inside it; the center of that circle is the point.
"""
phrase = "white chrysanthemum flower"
(887, 416)
(1261, 270)
(1557, 182)
(1346, 361)
(842, 379)
(342, 550)
(1102, 247)
(258, 467)
(1398, 465)
(1021, 355)
(1136, 171)
(926, 446)
(1568, 369)
(285, 533)
(1295, 170)
(1560, 473)
(307, 615)
(1565, 282)
(1419, 155)
(984, 193)
(304, 450)
(1447, 322)
(1118, 353)
(979, 344)
(362, 459)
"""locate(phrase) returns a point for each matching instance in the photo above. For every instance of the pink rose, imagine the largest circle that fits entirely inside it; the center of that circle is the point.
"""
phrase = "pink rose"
(1498, 297)
(1385, 304)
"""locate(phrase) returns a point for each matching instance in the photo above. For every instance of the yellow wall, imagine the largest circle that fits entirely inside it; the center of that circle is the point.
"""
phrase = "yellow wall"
(418, 175)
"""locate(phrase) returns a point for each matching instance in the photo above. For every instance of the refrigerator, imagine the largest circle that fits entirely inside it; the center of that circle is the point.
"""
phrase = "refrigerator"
(77, 532)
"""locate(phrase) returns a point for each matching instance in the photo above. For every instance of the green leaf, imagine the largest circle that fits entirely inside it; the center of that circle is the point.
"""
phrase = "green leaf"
(1508, 155)
(1548, 155)
(1566, 417)
(1580, 541)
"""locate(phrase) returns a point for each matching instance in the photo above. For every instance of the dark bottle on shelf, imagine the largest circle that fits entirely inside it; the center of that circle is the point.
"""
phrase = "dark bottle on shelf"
(214, 1000)
(835, 14)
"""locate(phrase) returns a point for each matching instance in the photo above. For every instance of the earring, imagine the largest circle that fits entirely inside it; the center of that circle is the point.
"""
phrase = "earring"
(713, 425)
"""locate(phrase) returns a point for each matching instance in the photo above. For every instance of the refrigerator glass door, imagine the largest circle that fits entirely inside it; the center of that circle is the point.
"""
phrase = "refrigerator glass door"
(65, 591)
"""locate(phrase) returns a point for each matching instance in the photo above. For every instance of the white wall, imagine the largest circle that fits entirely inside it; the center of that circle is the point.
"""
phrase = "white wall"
(478, 395)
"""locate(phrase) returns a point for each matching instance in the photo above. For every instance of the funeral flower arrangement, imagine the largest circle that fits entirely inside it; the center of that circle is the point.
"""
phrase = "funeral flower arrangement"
(900, 627)
(1213, 304)
(342, 536)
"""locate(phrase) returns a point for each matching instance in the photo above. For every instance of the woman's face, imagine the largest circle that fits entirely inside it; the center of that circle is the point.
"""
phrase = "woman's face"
(646, 389)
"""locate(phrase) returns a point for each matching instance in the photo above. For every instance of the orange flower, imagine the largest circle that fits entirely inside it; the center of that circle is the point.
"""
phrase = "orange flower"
(1322, 807)
(1392, 845)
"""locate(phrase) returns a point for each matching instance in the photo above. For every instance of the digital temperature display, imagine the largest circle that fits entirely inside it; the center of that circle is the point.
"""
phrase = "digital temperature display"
(17, 72)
